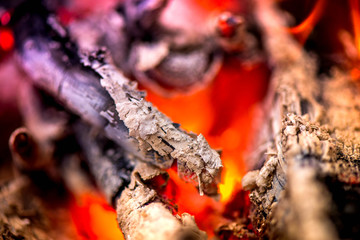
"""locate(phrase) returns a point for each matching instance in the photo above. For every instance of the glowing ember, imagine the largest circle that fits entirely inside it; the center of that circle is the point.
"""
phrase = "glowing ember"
(6, 39)
(94, 218)
(303, 30)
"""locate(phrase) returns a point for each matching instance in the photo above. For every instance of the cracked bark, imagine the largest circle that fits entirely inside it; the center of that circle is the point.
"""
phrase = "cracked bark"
(103, 97)
(308, 177)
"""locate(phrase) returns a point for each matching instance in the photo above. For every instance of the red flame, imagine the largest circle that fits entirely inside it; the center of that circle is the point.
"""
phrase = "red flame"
(94, 218)
(303, 30)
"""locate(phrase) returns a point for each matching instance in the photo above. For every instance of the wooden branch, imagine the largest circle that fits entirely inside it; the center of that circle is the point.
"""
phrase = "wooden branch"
(310, 150)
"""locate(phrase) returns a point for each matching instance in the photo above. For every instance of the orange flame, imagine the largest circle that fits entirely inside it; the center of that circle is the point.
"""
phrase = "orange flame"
(219, 5)
(303, 30)
(231, 178)
(223, 113)
(355, 16)
(187, 199)
(94, 218)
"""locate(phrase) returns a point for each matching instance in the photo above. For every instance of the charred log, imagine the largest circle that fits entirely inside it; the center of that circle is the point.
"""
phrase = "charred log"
(311, 138)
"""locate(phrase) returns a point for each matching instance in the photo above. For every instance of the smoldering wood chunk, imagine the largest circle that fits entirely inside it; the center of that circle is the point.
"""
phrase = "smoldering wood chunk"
(38, 147)
(142, 214)
(312, 152)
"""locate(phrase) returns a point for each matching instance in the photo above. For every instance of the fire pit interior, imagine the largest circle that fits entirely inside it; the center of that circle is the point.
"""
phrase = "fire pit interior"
(179, 119)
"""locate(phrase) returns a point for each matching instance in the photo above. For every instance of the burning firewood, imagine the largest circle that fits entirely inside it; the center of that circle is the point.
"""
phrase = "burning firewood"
(154, 130)
(310, 165)
(88, 127)
(91, 87)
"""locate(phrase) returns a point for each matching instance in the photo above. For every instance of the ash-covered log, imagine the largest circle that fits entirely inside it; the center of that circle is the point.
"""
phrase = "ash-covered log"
(308, 177)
